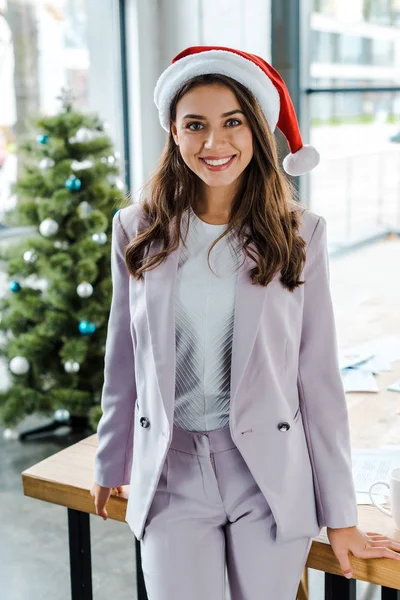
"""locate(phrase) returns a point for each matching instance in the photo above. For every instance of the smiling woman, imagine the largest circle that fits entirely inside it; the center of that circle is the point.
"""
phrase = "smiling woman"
(215, 146)
(221, 159)
(241, 448)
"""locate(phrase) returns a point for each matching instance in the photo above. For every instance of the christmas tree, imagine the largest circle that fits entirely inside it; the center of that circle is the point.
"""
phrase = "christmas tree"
(54, 314)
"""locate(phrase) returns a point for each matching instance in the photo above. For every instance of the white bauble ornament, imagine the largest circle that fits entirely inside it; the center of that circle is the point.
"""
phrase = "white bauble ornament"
(84, 209)
(10, 434)
(84, 289)
(82, 135)
(99, 238)
(62, 415)
(19, 365)
(30, 256)
(80, 166)
(116, 181)
(46, 163)
(110, 160)
(48, 227)
(72, 366)
(61, 245)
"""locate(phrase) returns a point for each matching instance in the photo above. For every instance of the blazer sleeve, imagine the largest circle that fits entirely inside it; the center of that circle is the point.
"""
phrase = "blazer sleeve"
(321, 393)
(115, 429)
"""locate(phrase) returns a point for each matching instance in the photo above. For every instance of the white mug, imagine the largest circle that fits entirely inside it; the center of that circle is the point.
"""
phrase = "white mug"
(394, 487)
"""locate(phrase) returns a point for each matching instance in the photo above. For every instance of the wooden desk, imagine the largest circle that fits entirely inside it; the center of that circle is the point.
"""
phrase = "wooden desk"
(65, 478)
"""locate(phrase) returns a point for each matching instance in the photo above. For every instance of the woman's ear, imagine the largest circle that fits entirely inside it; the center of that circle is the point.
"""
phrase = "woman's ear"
(174, 133)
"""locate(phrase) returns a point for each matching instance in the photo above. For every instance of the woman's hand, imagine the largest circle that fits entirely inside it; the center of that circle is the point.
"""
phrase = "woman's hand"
(101, 495)
(360, 544)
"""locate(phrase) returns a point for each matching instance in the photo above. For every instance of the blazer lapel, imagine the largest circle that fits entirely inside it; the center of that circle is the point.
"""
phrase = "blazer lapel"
(159, 292)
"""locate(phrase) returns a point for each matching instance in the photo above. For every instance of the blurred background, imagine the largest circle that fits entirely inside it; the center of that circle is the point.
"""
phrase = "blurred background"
(341, 62)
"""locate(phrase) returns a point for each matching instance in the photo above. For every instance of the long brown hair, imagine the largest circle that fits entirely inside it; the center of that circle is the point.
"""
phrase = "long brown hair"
(264, 213)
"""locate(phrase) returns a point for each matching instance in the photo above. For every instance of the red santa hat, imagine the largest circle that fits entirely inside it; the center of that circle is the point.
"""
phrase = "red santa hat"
(258, 76)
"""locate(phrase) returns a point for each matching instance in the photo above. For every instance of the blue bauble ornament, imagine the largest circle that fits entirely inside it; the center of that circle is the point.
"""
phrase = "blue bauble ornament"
(73, 184)
(14, 287)
(42, 138)
(87, 327)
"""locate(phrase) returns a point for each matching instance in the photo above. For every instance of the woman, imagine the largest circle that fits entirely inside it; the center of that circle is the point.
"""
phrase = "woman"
(223, 406)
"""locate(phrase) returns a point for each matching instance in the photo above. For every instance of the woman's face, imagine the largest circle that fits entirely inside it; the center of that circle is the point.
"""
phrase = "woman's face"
(205, 132)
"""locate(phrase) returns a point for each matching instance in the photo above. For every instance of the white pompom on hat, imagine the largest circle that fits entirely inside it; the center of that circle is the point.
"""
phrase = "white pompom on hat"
(258, 76)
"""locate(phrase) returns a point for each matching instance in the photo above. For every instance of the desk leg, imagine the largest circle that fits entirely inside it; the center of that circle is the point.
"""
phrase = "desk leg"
(79, 555)
(140, 586)
(390, 594)
(337, 586)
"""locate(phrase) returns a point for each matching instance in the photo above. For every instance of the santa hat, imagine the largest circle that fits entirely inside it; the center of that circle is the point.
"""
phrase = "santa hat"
(258, 76)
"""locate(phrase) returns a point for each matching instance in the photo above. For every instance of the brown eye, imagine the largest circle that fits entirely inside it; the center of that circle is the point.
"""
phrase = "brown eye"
(237, 121)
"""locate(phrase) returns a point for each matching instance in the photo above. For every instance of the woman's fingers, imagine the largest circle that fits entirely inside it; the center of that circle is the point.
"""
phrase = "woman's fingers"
(101, 495)
(380, 552)
(387, 542)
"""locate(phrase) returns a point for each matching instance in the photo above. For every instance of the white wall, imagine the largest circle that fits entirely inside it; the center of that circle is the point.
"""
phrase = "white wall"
(157, 30)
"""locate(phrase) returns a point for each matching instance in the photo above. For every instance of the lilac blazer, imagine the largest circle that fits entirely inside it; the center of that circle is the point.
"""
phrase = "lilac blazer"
(284, 370)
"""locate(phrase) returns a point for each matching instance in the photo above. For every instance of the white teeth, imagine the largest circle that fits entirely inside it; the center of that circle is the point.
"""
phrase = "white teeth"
(215, 163)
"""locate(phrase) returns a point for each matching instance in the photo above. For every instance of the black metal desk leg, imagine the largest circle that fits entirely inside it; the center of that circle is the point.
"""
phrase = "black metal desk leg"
(390, 594)
(337, 586)
(79, 555)
(140, 586)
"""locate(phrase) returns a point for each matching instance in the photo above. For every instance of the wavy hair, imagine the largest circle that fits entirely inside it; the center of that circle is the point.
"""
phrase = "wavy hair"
(264, 212)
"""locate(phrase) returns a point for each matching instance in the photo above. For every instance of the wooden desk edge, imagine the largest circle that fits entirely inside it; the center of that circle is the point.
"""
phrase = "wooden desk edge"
(71, 497)
(381, 571)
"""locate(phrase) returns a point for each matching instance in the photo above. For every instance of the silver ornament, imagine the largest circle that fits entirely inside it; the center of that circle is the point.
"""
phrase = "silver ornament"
(80, 166)
(10, 434)
(99, 238)
(19, 365)
(82, 135)
(30, 256)
(116, 181)
(61, 245)
(62, 415)
(84, 209)
(84, 289)
(72, 366)
(48, 227)
(46, 163)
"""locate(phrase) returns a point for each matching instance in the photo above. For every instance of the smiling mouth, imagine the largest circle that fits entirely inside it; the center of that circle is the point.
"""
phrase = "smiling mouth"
(219, 165)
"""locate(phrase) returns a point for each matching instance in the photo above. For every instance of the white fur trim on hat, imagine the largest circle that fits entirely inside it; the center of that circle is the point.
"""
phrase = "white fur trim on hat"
(302, 161)
(216, 61)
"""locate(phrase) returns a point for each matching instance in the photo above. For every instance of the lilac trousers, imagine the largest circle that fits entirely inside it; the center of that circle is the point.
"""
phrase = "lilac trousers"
(209, 522)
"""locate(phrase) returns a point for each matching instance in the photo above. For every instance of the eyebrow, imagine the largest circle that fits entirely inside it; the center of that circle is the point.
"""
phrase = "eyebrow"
(227, 114)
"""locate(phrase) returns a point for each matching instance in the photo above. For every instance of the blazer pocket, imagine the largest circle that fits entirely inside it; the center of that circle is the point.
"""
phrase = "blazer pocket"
(296, 414)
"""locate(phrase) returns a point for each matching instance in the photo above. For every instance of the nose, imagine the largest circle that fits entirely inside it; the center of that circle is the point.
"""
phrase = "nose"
(215, 140)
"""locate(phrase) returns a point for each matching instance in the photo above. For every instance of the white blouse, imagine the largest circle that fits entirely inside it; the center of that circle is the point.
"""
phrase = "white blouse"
(204, 317)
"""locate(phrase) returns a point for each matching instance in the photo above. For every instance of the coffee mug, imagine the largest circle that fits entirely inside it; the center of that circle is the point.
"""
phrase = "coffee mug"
(394, 487)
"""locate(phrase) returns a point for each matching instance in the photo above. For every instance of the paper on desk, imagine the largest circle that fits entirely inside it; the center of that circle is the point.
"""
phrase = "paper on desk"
(353, 356)
(373, 464)
(395, 386)
(376, 364)
(355, 380)
(385, 349)
(363, 498)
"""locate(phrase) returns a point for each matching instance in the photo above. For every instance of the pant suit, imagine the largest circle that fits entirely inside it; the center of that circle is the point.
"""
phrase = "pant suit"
(252, 492)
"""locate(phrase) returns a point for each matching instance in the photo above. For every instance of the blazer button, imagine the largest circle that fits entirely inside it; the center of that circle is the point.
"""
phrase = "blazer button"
(283, 426)
(144, 422)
